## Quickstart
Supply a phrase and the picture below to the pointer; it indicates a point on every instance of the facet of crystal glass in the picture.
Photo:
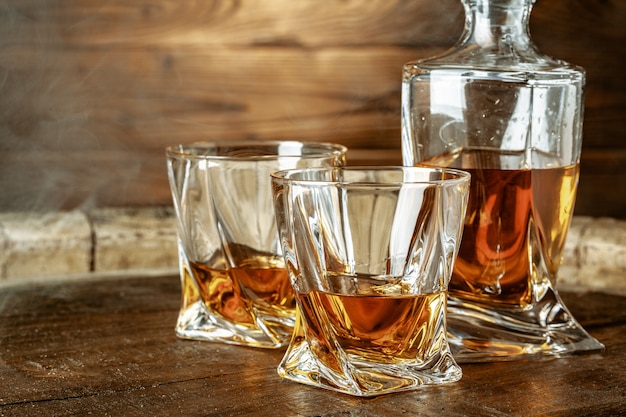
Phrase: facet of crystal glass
(496, 107)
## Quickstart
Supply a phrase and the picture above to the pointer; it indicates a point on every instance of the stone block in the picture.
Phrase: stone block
(134, 238)
(603, 255)
(44, 244)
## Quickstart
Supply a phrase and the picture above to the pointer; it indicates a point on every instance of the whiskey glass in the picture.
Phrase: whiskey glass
(235, 288)
(369, 251)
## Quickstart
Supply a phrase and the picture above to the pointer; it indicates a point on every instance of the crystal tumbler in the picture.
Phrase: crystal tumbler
(235, 288)
(369, 251)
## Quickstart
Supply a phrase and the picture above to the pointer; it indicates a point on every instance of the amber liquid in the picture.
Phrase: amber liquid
(237, 293)
(382, 329)
(515, 228)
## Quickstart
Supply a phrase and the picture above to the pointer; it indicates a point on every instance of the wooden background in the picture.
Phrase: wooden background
(91, 91)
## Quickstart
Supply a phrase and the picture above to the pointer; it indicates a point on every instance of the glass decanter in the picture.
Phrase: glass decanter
(495, 106)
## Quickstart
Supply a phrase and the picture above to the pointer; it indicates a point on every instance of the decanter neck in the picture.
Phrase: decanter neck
(497, 24)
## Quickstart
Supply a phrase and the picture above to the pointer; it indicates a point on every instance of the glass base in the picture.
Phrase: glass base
(196, 322)
(359, 377)
(541, 330)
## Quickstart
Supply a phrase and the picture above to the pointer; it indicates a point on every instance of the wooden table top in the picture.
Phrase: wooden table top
(107, 347)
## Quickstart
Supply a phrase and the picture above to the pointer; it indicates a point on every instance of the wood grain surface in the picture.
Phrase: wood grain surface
(91, 92)
(107, 347)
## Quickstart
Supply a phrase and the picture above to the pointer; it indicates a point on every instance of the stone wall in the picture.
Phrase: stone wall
(77, 244)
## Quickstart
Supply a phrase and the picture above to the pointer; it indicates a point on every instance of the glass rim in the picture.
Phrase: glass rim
(448, 175)
(318, 149)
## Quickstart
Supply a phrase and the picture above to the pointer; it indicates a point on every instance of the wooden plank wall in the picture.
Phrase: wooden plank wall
(91, 91)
